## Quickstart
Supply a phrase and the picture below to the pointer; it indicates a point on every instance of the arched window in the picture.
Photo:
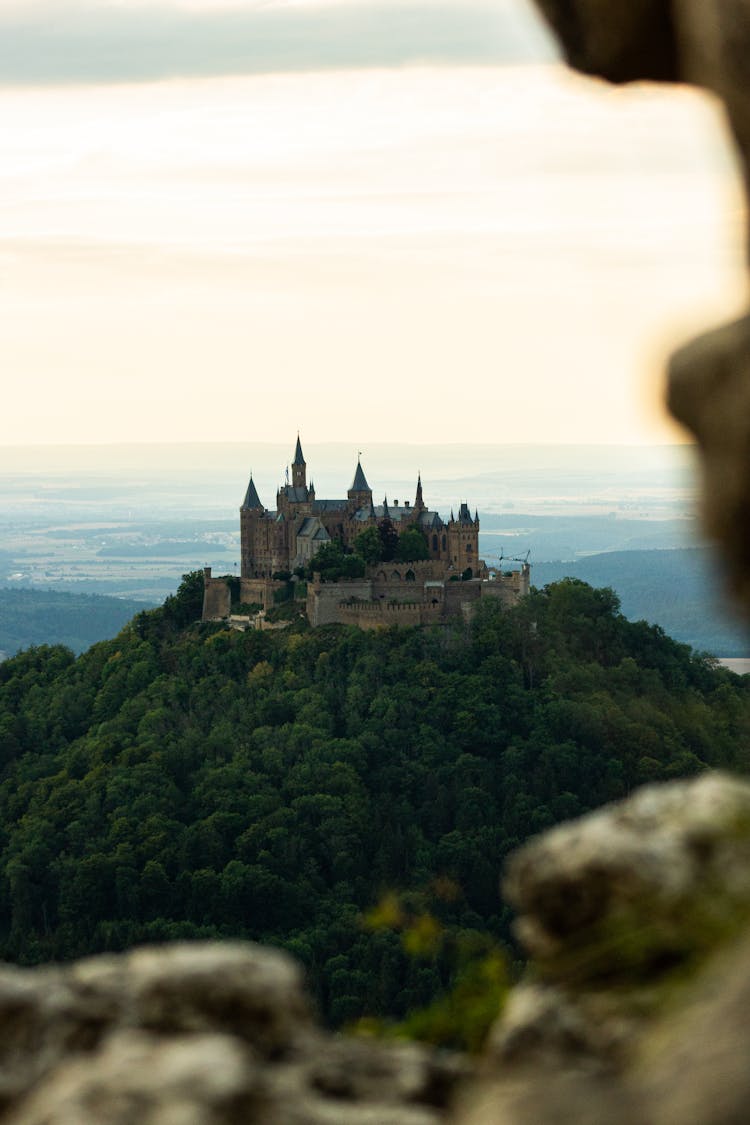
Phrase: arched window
(445, 543)
(434, 542)
(410, 576)
(468, 548)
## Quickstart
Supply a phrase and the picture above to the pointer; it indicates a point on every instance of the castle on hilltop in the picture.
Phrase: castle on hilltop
(277, 546)
(289, 537)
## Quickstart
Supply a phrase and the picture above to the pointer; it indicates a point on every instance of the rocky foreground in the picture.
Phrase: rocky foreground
(636, 1006)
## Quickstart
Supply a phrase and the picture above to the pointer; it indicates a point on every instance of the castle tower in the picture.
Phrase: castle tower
(252, 517)
(360, 493)
(299, 468)
(463, 541)
(252, 500)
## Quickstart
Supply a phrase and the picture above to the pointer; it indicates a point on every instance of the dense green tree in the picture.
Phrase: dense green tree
(333, 563)
(368, 545)
(388, 540)
(193, 781)
(412, 546)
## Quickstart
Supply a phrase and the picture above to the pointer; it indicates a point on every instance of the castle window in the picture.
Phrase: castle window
(411, 576)
(434, 542)
(468, 548)
(445, 543)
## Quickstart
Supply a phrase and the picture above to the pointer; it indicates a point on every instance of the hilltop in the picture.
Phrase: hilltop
(184, 780)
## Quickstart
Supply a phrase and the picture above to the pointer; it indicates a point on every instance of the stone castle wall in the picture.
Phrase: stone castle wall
(217, 594)
(385, 597)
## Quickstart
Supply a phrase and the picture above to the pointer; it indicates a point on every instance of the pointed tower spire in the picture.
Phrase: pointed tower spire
(299, 468)
(360, 494)
(298, 458)
(419, 502)
(386, 513)
(252, 500)
(359, 484)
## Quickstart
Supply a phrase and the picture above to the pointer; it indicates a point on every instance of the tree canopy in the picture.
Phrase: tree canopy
(183, 780)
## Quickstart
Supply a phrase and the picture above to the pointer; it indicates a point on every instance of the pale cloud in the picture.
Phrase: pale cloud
(59, 42)
(401, 251)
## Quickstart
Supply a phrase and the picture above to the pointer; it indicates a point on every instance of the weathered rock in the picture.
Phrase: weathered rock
(700, 41)
(621, 40)
(197, 1035)
(137, 1077)
(637, 886)
(637, 921)
(709, 390)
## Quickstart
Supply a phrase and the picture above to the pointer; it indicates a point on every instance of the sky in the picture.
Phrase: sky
(366, 220)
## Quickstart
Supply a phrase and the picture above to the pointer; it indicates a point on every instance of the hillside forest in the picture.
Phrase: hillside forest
(186, 781)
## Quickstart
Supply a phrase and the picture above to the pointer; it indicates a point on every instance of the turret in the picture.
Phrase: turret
(463, 540)
(252, 500)
(360, 493)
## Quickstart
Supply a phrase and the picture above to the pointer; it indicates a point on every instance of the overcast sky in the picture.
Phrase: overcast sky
(371, 221)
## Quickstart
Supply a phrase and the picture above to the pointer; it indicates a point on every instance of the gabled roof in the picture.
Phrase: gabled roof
(464, 515)
(312, 528)
(252, 500)
(298, 458)
(359, 484)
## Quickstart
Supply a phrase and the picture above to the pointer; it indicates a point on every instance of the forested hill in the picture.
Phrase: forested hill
(681, 590)
(32, 617)
(182, 780)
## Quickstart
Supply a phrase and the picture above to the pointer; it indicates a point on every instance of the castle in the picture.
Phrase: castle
(275, 545)
(283, 540)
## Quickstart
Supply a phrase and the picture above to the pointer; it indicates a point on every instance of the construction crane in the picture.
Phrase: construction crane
(501, 558)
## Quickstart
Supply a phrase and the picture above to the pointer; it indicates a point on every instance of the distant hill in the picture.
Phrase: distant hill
(680, 590)
(38, 617)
